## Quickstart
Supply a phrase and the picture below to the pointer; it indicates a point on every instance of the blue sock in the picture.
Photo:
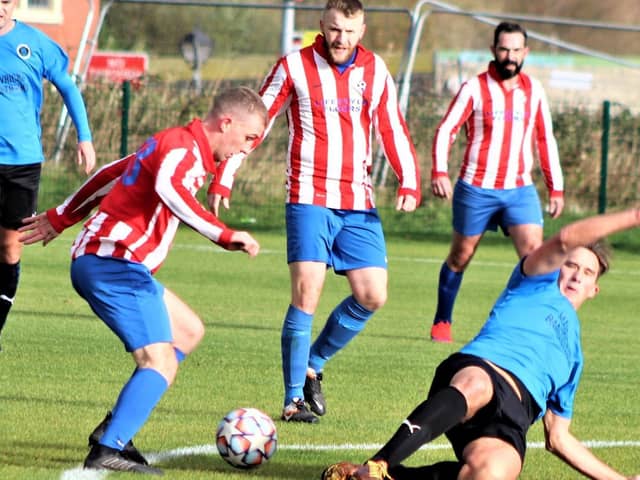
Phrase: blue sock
(180, 355)
(295, 342)
(137, 400)
(344, 323)
(448, 286)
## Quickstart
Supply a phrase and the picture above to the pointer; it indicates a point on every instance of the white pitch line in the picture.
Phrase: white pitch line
(428, 260)
(79, 473)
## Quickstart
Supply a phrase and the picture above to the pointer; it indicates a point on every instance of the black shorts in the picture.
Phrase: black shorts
(18, 193)
(504, 417)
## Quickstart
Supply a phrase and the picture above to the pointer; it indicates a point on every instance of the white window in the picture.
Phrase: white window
(40, 11)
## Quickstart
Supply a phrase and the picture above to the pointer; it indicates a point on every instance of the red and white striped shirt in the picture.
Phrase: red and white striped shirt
(501, 128)
(331, 118)
(143, 197)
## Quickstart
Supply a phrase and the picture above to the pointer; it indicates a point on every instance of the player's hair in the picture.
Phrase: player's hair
(239, 99)
(508, 27)
(348, 7)
(603, 253)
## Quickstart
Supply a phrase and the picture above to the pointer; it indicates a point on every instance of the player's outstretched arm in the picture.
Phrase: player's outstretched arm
(37, 229)
(553, 252)
(560, 442)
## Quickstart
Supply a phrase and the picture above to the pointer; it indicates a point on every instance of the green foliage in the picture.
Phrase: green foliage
(580, 131)
(160, 30)
(61, 368)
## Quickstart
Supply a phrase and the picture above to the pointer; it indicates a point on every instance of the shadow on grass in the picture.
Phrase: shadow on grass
(214, 463)
(61, 456)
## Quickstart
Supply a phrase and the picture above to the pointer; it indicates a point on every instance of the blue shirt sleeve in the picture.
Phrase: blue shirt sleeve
(75, 104)
(55, 70)
(561, 401)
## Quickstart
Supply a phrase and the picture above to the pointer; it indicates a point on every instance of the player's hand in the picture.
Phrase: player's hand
(556, 205)
(36, 229)
(406, 203)
(213, 201)
(441, 187)
(86, 154)
(245, 242)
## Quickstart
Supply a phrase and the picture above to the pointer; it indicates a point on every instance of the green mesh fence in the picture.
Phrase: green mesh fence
(257, 200)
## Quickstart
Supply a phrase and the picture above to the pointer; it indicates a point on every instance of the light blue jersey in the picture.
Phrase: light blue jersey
(27, 56)
(533, 332)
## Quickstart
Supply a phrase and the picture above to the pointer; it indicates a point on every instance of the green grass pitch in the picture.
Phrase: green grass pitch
(61, 368)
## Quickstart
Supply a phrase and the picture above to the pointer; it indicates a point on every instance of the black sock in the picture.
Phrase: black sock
(429, 420)
(437, 471)
(9, 275)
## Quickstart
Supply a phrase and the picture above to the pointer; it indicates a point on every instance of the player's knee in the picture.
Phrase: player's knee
(305, 296)
(372, 300)
(190, 335)
(526, 239)
(193, 340)
(377, 302)
(460, 258)
(196, 332)
(10, 252)
(527, 247)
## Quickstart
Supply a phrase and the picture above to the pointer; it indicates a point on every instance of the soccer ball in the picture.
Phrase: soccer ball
(246, 438)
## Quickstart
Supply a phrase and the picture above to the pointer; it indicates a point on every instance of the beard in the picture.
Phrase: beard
(504, 72)
(340, 57)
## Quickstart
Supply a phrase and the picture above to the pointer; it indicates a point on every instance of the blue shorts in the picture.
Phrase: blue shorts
(343, 239)
(126, 297)
(476, 210)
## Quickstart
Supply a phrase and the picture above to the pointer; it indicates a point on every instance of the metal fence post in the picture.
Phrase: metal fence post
(604, 159)
(288, 22)
(124, 120)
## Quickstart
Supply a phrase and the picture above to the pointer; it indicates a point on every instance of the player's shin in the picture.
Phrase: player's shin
(295, 343)
(448, 286)
(9, 276)
(137, 400)
(344, 323)
(437, 471)
(429, 420)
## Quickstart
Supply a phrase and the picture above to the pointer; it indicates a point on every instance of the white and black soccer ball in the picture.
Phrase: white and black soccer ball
(246, 438)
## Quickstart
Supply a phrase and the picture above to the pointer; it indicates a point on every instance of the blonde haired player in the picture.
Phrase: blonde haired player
(141, 200)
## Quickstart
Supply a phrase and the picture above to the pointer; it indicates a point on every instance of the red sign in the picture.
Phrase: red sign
(117, 66)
